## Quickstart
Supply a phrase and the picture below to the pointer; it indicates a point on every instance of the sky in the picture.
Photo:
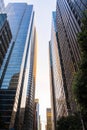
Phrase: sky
(43, 20)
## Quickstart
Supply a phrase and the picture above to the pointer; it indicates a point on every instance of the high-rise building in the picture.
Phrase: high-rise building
(68, 21)
(19, 70)
(36, 115)
(46, 127)
(49, 119)
(1, 6)
(39, 123)
(64, 54)
(58, 102)
(5, 37)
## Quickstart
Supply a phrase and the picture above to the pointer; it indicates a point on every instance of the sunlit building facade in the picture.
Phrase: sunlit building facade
(40, 122)
(49, 119)
(19, 70)
(58, 101)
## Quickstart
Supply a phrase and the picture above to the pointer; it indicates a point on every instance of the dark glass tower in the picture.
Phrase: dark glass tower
(68, 20)
(78, 7)
(18, 71)
(65, 53)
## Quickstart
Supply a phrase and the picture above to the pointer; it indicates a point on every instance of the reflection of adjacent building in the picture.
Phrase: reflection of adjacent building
(64, 55)
(18, 70)
(5, 37)
(49, 119)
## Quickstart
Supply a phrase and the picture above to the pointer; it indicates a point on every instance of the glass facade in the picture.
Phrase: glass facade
(57, 86)
(52, 92)
(18, 65)
(78, 7)
(36, 115)
(5, 37)
(68, 22)
(64, 55)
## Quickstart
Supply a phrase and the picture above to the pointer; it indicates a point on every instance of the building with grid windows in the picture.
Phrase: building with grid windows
(49, 119)
(5, 37)
(58, 102)
(68, 19)
(65, 54)
(36, 115)
(17, 89)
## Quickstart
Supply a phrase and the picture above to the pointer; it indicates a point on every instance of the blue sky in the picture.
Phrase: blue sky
(43, 19)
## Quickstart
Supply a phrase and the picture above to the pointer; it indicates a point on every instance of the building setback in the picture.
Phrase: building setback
(19, 70)
(65, 54)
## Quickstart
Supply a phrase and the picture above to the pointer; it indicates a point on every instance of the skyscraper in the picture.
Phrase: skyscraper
(39, 122)
(58, 101)
(19, 67)
(65, 54)
(49, 119)
(36, 115)
(68, 20)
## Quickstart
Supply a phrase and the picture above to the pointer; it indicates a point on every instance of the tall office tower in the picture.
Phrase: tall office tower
(49, 119)
(64, 55)
(5, 37)
(46, 127)
(39, 123)
(68, 20)
(58, 102)
(36, 115)
(1, 6)
(18, 70)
